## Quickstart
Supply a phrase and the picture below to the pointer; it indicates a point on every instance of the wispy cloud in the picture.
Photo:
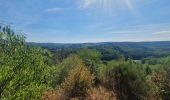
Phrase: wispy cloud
(162, 32)
(155, 29)
(98, 3)
(123, 31)
(115, 6)
(130, 6)
(54, 10)
(108, 4)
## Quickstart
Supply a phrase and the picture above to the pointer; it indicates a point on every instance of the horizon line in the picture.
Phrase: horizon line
(99, 42)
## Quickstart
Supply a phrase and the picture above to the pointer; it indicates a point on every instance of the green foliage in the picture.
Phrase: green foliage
(127, 78)
(60, 71)
(67, 65)
(22, 69)
(61, 54)
(76, 83)
(91, 58)
(161, 78)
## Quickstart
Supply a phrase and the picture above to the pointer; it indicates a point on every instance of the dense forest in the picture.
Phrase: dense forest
(83, 72)
(111, 50)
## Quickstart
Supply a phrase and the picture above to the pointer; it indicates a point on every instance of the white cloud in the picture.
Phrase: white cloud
(88, 3)
(54, 10)
(112, 6)
(108, 4)
(123, 32)
(162, 32)
(154, 29)
(98, 3)
(130, 6)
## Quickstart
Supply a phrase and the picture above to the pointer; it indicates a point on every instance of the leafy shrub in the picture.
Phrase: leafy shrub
(64, 68)
(161, 79)
(127, 79)
(76, 84)
(22, 68)
(91, 59)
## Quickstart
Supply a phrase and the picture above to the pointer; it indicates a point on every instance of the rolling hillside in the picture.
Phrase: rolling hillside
(134, 50)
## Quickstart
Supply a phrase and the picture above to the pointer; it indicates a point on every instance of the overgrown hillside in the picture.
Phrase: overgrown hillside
(33, 73)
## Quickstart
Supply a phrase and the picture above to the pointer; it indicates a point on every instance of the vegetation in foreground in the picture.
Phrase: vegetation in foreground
(28, 72)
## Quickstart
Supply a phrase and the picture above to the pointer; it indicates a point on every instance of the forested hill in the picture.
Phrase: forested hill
(139, 45)
(134, 50)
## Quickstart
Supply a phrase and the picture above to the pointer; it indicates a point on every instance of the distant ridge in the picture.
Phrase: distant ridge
(134, 50)
(80, 45)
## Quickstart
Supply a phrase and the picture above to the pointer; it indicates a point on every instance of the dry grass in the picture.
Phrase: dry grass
(76, 85)
(100, 94)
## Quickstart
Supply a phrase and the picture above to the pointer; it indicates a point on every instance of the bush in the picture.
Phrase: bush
(22, 74)
(91, 58)
(76, 84)
(127, 79)
(161, 79)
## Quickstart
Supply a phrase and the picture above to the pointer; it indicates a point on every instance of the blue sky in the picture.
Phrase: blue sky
(79, 21)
